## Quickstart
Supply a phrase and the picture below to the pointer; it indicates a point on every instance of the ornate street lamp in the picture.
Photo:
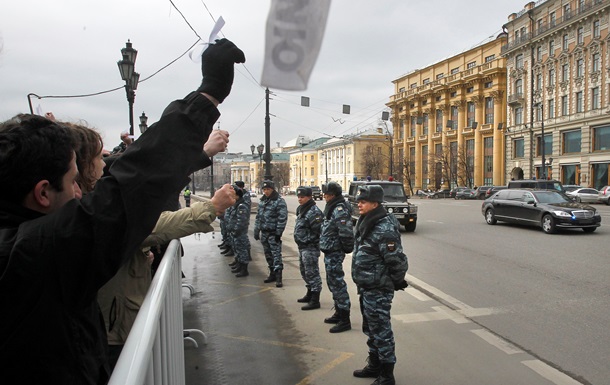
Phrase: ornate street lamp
(143, 121)
(260, 148)
(131, 78)
(252, 148)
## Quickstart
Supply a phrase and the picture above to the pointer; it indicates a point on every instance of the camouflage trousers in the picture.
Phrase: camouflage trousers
(310, 271)
(375, 307)
(223, 231)
(241, 247)
(335, 279)
(273, 251)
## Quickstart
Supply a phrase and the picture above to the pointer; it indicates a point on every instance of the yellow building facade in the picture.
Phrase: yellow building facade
(448, 120)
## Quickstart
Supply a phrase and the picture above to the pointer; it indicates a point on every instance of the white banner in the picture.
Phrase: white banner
(295, 29)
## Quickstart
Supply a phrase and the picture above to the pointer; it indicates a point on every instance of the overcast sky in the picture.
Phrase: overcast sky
(70, 47)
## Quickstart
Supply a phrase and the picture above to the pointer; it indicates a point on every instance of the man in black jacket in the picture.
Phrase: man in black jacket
(57, 251)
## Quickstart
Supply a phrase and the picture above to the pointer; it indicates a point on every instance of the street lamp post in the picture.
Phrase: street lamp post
(385, 115)
(131, 78)
(542, 144)
(143, 121)
(260, 148)
(268, 175)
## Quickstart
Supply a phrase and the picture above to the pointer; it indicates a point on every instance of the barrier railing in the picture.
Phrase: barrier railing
(154, 350)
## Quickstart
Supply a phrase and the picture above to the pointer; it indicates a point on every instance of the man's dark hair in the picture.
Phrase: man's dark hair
(32, 148)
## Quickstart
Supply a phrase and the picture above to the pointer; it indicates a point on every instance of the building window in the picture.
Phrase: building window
(601, 138)
(490, 58)
(595, 62)
(548, 145)
(489, 84)
(470, 108)
(552, 19)
(472, 64)
(539, 82)
(564, 105)
(519, 61)
(569, 174)
(552, 48)
(426, 81)
(539, 53)
(455, 70)
(580, 68)
(413, 126)
(579, 102)
(551, 77)
(488, 160)
(439, 120)
(566, 11)
(519, 87)
(580, 35)
(571, 142)
(413, 85)
(311, 171)
(440, 76)
(565, 73)
(424, 161)
(453, 94)
(551, 108)
(518, 115)
(595, 98)
(538, 114)
(454, 117)
(469, 90)
(518, 148)
(564, 42)
(425, 125)
(489, 110)
(596, 29)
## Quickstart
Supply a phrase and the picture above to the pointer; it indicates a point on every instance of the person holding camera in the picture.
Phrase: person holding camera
(379, 267)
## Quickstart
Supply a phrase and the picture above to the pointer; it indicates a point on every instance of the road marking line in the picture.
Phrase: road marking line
(418, 294)
(438, 293)
(325, 369)
(550, 373)
(439, 314)
(496, 341)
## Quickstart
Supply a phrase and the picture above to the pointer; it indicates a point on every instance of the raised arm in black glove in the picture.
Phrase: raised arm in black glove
(217, 68)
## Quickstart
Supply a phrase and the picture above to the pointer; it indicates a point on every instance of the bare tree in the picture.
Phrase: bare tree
(373, 162)
(446, 166)
(281, 174)
(465, 165)
(407, 173)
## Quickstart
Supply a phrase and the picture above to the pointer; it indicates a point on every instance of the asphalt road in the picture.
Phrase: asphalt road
(487, 305)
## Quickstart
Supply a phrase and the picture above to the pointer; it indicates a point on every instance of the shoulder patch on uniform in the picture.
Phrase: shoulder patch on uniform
(391, 246)
(343, 221)
(339, 208)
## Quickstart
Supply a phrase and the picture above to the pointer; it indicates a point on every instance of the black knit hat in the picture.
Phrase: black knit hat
(370, 193)
(304, 191)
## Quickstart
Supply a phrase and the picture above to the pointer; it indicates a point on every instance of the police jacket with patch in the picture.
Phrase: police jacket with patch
(272, 214)
(337, 230)
(51, 266)
(378, 261)
(308, 225)
(240, 218)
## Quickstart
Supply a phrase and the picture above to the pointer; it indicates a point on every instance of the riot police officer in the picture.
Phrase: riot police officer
(379, 267)
(268, 228)
(337, 239)
(307, 230)
(237, 228)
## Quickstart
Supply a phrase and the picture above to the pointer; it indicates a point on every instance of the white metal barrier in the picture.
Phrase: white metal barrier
(154, 350)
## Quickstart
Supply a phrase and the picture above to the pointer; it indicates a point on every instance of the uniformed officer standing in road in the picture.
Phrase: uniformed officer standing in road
(336, 240)
(307, 230)
(247, 197)
(268, 228)
(238, 230)
(379, 267)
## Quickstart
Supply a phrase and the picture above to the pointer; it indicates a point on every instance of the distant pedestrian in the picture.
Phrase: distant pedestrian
(269, 226)
(187, 197)
(379, 267)
(337, 239)
(307, 230)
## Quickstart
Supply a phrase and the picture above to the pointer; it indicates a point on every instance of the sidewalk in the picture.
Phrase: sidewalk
(257, 333)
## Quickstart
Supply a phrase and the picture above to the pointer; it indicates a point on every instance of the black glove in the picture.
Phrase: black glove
(347, 248)
(217, 68)
(257, 236)
(278, 238)
(400, 285)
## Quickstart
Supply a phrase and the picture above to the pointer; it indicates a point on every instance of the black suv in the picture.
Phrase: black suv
(395, 202)
(316, 192)
(549, 209)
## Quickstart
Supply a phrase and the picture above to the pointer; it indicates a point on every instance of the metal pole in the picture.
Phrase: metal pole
(531, 101)
(542, 140)
(131, 95)
(212, 177)
(268, 175)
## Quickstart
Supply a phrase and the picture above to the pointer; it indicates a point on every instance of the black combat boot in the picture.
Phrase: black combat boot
(229, 253)
(271, 277)
(233, 263)
(372, 368)
(225, 250)
(237, 267)
(243, 272)
(333, 319)
(314, 301)
(278, 279)
(344, 324)
(386, 376)
(307, 296)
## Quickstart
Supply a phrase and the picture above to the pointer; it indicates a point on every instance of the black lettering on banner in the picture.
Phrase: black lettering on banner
(287, 54)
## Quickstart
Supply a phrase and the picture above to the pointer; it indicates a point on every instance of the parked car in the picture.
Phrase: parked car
(316, 192)
(444, 193)
(465, 194)
(604, 195)
(551, 210)
(587, 195)
(570, 187)
(536, 184)
(493, 189)
(455, 190)
(480, 191)
(252, 194)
